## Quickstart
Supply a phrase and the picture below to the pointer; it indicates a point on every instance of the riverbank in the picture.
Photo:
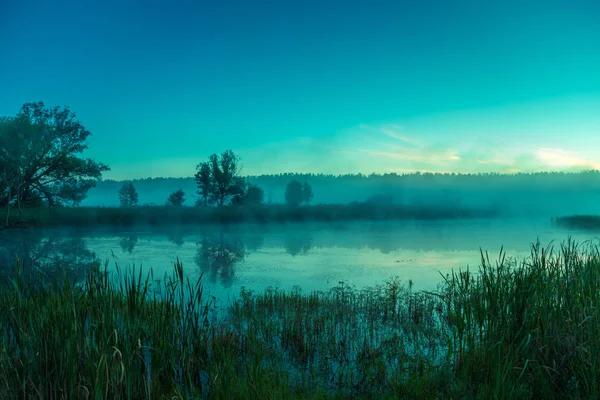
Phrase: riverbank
(583, 222)
(510, 330)
(170, 216)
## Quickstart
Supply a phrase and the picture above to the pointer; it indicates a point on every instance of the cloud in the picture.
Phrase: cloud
(423, 157)
(394, 131)
(369, 148)
(562, 159)
(384, 131)
(387, 147)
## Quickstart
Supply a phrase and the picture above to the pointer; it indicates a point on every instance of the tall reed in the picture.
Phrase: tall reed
(513, 329)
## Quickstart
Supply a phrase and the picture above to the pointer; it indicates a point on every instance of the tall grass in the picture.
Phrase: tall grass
(117, 338)
(514, 329)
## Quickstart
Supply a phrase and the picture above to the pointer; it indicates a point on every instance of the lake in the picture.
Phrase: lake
(311, 256)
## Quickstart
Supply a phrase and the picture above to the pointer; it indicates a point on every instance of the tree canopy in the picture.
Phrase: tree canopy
(128, 196)
(252, 195)
(293, 193)
(307, 193)
(219, 179)
(40, 158)
(176, 198)
(204, 182)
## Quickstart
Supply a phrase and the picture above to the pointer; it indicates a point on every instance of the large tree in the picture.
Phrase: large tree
(40, 152)
(225, 171)
(219, 179)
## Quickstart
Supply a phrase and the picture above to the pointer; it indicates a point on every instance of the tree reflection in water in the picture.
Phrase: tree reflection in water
(42, 256)
(128, 243)
(177, 238)
(297, 242)
(218, 254)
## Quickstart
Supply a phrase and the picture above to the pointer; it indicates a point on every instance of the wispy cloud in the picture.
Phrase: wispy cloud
(388, 147)
(426, 158)
(562, 159)
(383, 148)
(395, 131)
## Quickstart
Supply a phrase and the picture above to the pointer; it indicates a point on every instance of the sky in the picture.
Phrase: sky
(311, 86)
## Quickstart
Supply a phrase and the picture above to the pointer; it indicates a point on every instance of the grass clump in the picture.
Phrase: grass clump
(120, 339)
(513, 329)
(169, 216)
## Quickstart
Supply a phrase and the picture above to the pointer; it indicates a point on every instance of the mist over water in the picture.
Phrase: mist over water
(311, 256)
(542, 194)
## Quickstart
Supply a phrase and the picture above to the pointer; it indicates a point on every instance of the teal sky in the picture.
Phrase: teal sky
(314, 86)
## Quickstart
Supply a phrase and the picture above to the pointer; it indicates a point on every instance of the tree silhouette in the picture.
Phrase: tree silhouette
(128, 196)
(39, 157)
(293, 193)
(204, 182)
(225, 172)
(307, 193)
(252, 196)
(219, 179)
(176, 198)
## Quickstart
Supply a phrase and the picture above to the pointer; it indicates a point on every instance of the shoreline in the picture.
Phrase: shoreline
(169, 216)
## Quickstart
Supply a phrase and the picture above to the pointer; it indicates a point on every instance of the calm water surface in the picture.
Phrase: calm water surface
(311, 256)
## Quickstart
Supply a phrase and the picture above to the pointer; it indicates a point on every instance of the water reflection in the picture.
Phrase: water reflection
(254, 241)
(297, 242)
(128, 243)
(41, 256)
(177, 238)
(218, 254)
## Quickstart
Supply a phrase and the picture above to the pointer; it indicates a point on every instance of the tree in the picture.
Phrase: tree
(204, 181)
(307, 193)
(253, 195)
(293, 193)
(39, 157)
(128, 196)
(176, 198)
(219, 179)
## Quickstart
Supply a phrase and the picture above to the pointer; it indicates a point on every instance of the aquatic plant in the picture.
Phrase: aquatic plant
(512, 329)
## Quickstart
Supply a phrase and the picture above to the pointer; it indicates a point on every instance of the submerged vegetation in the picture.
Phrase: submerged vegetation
(171, 216)
(514, 329)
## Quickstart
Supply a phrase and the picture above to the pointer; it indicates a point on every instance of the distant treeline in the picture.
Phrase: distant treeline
(543, 192)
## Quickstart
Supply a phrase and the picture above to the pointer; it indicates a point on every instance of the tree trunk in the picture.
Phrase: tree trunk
(20, 209)
(8, 208)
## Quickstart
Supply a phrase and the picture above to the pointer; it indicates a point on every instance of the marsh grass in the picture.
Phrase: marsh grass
(169, 216)
(513, 329)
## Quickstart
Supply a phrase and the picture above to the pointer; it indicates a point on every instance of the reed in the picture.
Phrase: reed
(512, 329)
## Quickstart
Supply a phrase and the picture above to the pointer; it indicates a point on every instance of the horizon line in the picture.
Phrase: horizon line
(541, 172)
